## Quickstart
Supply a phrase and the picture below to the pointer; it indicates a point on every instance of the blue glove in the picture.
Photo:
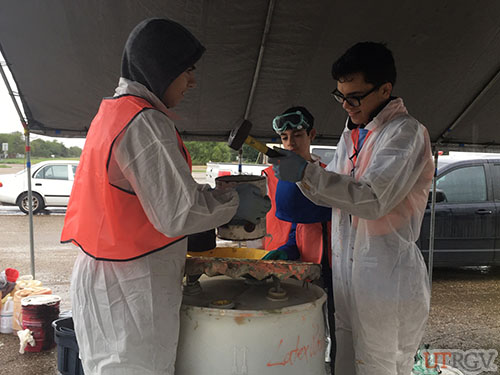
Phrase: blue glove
(289, 167)
(276, 255)
(285, 252)
(252, 205)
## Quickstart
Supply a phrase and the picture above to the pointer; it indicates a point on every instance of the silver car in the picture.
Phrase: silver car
(51, 184)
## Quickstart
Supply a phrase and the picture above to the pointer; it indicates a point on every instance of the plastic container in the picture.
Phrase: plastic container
(12, 274)
(68, 361)
(38, 314)
(6, 316)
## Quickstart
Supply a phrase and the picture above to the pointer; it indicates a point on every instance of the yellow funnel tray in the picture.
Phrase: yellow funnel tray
(230, 252)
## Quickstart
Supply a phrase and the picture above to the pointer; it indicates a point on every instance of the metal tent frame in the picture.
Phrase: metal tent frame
(28, 165)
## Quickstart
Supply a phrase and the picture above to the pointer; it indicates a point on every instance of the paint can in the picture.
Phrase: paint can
(17, 319)
(39, 311)
(242, 230)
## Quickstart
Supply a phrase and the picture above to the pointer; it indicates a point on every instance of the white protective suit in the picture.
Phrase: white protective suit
(130, 310)
(380, 281)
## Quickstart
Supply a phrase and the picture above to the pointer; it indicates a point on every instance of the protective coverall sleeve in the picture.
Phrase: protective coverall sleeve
(398, 159)
(150, 159)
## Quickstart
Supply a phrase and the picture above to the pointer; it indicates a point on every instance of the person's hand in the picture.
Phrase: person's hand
(252, 205)
(289, 167)
(276, 255)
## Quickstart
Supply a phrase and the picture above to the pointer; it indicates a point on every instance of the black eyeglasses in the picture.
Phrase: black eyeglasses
(354, 101)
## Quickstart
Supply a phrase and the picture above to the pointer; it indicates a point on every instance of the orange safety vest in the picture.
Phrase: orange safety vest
(309, 237)
(105, 221)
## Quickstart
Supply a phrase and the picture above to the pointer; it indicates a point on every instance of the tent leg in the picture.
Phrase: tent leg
(30, 201)
(433, 218)
(28, 164)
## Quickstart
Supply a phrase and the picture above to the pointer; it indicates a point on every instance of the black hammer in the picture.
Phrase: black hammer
(240, 135)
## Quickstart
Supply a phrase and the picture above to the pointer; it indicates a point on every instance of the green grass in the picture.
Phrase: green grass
(33, 160)
(5, 162)
(199, 168)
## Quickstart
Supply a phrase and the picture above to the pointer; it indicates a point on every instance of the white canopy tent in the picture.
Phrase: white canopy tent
(262, 57)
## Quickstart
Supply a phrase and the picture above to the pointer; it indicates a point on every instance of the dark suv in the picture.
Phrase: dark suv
(467, 230)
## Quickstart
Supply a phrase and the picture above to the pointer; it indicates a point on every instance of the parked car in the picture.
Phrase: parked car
(467, 226)
(51, 185)
(325, 153)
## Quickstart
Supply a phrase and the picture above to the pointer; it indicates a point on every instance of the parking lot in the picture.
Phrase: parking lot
(465, 311)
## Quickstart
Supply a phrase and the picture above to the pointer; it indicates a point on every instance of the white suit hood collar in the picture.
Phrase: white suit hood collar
(128, 87)
(393, 109)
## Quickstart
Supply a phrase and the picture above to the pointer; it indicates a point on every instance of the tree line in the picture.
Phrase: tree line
(39, 147)
(201, 152)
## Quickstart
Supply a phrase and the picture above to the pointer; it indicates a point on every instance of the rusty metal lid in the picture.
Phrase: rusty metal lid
(242, 262)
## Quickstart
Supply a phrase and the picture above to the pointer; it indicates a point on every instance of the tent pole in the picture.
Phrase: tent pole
(28, 165)
(30, 200)
(256, 74)
(433, 218)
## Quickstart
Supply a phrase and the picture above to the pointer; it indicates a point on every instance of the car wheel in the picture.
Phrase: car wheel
(37, 202)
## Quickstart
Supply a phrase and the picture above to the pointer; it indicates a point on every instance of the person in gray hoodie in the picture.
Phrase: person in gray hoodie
(134, 202)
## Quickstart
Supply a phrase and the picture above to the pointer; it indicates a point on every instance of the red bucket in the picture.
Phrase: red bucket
(11, 274)
(39, 311)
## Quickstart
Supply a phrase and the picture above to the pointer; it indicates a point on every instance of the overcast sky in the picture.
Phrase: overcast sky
(9, 120)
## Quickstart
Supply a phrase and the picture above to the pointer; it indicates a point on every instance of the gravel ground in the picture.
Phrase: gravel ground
(53, 264)
(465, 308)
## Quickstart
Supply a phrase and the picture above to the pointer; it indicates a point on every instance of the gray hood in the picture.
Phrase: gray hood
(157, 51)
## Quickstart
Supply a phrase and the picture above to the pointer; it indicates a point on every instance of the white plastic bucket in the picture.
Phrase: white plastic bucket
(257, 336)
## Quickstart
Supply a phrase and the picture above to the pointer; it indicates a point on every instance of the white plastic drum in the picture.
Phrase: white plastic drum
(253, 334)
(236, 231)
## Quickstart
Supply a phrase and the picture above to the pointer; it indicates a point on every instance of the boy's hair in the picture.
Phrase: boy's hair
(307, 115)
(373, 60)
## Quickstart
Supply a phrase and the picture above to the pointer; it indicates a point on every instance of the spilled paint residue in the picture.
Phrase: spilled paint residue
(239, 320)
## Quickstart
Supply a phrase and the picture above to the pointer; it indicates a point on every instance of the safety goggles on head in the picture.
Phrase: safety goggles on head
(293, 120)
(353, 100)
